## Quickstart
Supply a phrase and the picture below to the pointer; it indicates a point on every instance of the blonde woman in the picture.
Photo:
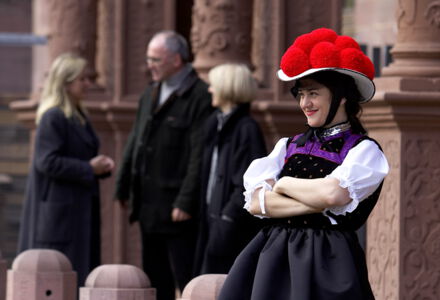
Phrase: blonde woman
(61, 210)
(232, 140)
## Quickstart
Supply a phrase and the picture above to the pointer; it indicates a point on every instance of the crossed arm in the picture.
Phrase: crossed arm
(294, 196)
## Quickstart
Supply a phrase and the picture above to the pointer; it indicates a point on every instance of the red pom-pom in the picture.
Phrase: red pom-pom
(324, 35)
(352, 59)
(305, 42)
(343, 42)
(294, 62)
(368, 69)
(356, 60)
(323, 48)
(324, 55)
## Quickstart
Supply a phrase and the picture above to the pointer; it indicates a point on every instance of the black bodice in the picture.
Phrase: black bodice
(317, 159)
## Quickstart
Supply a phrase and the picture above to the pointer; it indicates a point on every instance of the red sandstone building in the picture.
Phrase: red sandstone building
(402, 235)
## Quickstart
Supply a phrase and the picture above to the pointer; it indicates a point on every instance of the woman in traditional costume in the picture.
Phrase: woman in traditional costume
(318, 187)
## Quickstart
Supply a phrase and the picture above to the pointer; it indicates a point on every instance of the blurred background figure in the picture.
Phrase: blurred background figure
(62, 209)
(159, 172)
(232, 139)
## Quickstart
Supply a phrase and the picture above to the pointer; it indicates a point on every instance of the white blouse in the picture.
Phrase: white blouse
(361, 172)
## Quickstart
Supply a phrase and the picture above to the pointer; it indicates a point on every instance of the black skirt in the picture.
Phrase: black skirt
(284, 262)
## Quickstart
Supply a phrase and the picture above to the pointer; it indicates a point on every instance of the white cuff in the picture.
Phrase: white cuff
(248, 197)
(265, 187)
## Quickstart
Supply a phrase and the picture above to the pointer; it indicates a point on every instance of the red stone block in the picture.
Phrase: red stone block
(41, 274)
(117, 282)
(204, 287)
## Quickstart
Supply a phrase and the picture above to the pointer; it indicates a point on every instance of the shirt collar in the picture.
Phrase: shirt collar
(175, 80)
(334, 130)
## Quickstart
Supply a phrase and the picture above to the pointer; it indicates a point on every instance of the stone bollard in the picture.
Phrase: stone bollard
(204, 287)
(117, 282)
(3, 267)
(38, 274)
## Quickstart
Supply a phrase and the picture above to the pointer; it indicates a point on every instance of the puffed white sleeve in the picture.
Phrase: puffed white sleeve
(362, 171)
(260, 171)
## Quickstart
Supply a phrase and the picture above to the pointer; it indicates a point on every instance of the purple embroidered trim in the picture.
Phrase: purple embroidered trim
(314, 147)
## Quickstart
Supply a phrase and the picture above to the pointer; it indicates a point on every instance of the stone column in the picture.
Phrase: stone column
(417, 49)
(73, 29)
(221, 32)
(403, 234)
(69, 26)
(124, 29)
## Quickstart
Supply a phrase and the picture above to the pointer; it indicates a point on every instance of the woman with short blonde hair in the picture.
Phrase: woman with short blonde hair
(232, 140)
(233, 82)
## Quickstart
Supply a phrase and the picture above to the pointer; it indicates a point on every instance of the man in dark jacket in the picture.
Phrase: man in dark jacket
(159, 171)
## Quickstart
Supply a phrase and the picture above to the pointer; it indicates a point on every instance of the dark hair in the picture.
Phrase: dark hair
(340, 86)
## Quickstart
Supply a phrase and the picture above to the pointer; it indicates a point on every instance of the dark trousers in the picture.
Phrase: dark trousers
(168, 261)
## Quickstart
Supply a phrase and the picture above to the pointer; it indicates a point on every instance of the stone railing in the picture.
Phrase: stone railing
(47, 274)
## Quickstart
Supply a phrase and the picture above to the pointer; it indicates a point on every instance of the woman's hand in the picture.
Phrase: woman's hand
(102, 164)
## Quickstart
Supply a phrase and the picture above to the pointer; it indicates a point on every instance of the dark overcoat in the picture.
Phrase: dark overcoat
(161, 161)
(61, 209)
(226, 226)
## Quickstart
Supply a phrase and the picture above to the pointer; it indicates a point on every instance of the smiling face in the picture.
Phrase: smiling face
(315, 100)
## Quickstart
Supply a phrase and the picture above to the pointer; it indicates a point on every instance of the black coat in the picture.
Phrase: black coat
(226, 226)
(61, 210)
(161, 161)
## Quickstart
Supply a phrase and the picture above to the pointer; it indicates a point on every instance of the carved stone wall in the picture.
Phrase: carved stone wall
(420, 223)
(383, 227)
(403, 242)
(221, 32)
(402, 234)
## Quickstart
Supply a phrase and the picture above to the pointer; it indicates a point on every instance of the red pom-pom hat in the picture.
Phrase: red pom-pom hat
(324, 50)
